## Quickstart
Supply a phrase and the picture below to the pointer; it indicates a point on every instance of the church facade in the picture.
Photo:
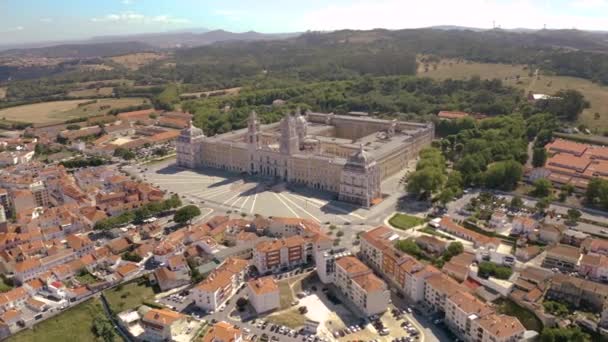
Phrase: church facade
(343, 154)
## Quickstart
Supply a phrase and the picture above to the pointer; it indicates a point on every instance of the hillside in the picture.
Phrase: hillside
(80, 50)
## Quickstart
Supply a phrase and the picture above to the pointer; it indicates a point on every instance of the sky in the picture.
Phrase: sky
(24, 21)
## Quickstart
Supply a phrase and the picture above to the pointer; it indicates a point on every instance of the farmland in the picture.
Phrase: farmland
(136, 60)
(59, 111)
(104, 91)
(596, 94)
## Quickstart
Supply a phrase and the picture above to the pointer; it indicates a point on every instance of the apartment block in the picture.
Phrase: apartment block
(272, 256)
(264, 294)
(358, 283)
(220, 285)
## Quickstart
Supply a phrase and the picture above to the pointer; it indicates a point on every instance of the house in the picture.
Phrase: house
(223, 332)
(597, 246)
(526, 253)
(523, 225)
(264, 294)
(550, 233)
(562, 257)
(175, 274)
(498, 220)
(431, 244)
(162, 324)
(594, 266)
(573, 237)
(127, 270)
(220, 285)
(448, 225)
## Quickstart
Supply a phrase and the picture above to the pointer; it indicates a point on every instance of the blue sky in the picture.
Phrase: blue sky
(44, 20)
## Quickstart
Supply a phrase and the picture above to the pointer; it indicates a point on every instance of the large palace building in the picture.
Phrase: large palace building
(348, 155)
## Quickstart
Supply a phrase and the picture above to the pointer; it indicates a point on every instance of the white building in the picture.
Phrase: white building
(358, 283)
(264, 294)
(220, 285)
(162, 325)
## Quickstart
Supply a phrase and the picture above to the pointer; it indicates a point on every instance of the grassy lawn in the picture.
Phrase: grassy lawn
(87, 278)
(403, 221)
(596, 94)
(129, 296)
(433, 231)
(525, 316)
(289, 318)
(59, 111)
(286, 294)
(74, 324)
(4, 287)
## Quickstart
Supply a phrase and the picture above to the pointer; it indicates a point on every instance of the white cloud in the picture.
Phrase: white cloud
(589, 4)
(127, 2)
(13, 29)
(131, 17)
(397, 14)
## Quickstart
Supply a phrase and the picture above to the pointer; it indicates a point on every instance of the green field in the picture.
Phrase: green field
(596, 94)
(525, 316)
(130, 295)
(403, 221)
(60, 111)
(74, 324)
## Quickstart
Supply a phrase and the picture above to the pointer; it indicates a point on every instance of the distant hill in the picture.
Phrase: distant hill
(80, 50)
(184, 39)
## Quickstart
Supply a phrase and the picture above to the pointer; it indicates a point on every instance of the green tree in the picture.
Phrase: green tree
(597, 193)
(542, 205)
(409, 246)
(516, 202)
(503, 175)
(426, 181)
(186, 214)
(454, 248)
(542, 187)
(539, 157)
(564, 335)
(573, 215)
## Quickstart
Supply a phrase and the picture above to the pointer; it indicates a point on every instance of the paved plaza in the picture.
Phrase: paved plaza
(221, 191)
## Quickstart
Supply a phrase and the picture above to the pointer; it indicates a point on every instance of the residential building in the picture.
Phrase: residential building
(594, 266)
(497, 328)
(460, 309)
(220, 285)
(431, 244)
(358, 283)
(264, 294)
(285, 253)
(562, 257)
(523, 225)
(448, 225)
(578, 292)
(223, 332)
(162, 324)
